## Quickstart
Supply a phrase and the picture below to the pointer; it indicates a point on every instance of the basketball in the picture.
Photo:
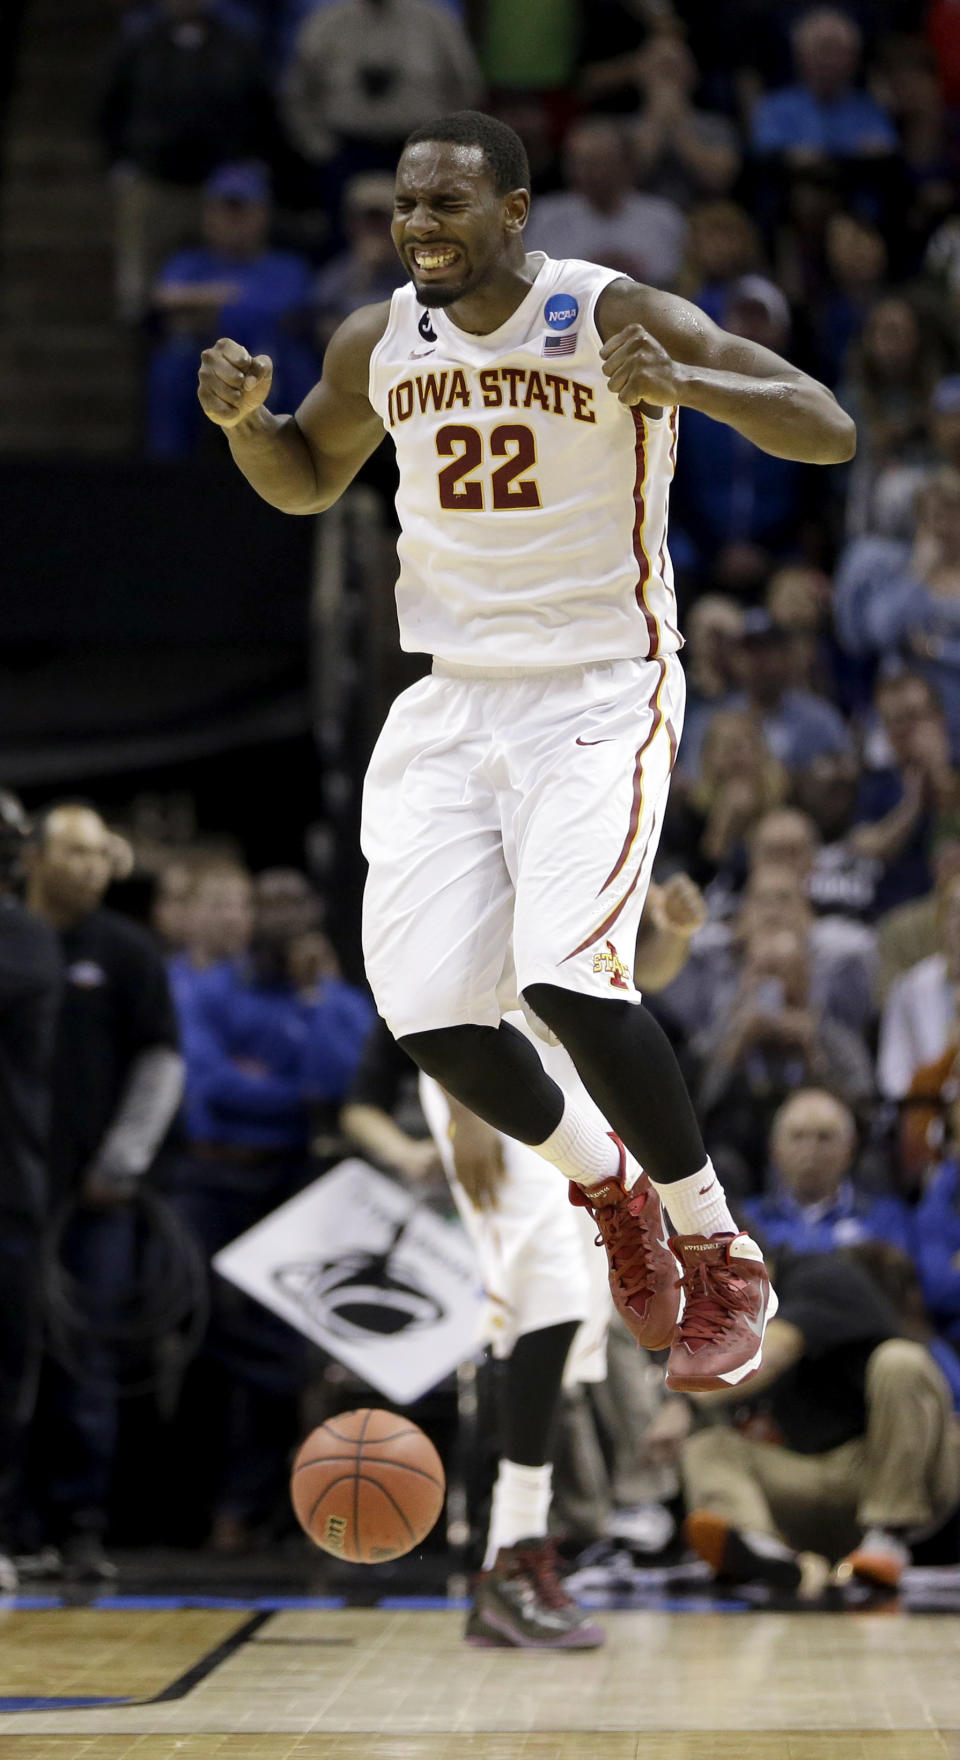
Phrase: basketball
(367, 1486)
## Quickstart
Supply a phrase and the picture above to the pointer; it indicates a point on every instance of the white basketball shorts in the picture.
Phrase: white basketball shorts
(510, 825)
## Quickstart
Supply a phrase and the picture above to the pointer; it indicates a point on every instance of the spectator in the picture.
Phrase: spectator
(738, 780)
(723, 245)
(811, 1203)
(369, 270)
(775, 1038)
(776, 895)
(117, 1081)
(184, 95)
(938, 1239)
(739, 507)
(218, 923)
(928, 136)
(894, 598)
(169, 908)
(363, 73)
(682, 153)
(824, 115)
(889, 378)
(919, 1020)
(798, 726)
(842, 880)
(713, 630)
(798, 600)
(601, 216)
(233, 284)
(271, 1046)
(29, 994)
(909, 933)
(864, 1450)
(856, 263)
(902, 797)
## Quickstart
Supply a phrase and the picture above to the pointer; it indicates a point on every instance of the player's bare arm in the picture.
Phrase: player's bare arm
(298, 463)
(662, 350)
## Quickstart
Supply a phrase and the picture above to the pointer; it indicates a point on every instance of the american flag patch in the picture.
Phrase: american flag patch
(560, 344)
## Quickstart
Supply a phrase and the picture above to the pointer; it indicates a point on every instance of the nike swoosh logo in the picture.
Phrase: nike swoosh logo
(705, 1189)
(595, 742)
(417, 354)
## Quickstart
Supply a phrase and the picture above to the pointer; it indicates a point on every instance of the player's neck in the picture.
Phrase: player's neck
(491, 305)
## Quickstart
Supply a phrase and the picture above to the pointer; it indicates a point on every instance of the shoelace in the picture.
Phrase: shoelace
(540, 1563)
(633, 1257)
(714, 1294)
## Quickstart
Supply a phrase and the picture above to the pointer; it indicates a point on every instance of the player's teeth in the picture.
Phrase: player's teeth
(434, 261)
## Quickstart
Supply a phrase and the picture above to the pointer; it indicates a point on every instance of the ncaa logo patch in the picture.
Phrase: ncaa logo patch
(561, 310)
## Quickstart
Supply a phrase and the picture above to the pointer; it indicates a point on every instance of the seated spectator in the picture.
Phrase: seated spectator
(889, 511)
(811, 1203)
(824, 115)
(369, 270)
(928, 135)
(776, 895)
(184, 95)
(169, 909)
(919, 1021)
(854, 1452)
(682, 152)
(898, 598)
(363, 74)
(798, 601)
(902, 797)
(937, 1224)
(217, 925)
(842, 881)
(738, 507)
(798, 725)
(601, 216)
(737, 781)
(232, 284)
(774, 1038)
(271, 1046)
(886, 386)
(713, 629)
(856, 261)
(909, 933)
(723, 245)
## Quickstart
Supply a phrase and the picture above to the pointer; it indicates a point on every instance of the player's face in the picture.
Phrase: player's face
(450, 226)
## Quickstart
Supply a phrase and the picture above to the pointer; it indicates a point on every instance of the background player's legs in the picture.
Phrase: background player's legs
(529, 1396)
(628, 1065)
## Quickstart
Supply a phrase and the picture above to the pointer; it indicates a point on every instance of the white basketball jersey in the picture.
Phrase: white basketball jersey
(532, 503)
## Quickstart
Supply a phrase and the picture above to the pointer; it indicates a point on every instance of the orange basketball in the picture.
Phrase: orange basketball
(367, 1486)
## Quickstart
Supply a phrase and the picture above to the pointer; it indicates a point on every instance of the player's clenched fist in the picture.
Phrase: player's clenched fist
(233, 383)
(638, 368)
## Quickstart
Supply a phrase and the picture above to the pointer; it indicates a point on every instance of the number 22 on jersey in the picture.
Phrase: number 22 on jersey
(509, 486)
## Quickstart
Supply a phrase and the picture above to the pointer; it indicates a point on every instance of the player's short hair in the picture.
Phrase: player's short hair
(500, 145)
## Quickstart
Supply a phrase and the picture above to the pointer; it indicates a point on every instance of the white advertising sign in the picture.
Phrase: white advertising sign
(381, 1283)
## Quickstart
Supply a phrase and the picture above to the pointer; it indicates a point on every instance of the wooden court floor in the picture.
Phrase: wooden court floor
(310, 1683)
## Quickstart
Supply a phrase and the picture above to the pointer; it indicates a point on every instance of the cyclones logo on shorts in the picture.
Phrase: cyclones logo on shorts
(611, 962)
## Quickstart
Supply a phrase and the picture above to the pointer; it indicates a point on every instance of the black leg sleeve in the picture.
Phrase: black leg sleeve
(494, 1071)
(626, 1062)
(530, 1393)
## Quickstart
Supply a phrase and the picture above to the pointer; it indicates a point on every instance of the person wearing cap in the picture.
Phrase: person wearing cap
(232, 280)
(184, 94)
(739, 508)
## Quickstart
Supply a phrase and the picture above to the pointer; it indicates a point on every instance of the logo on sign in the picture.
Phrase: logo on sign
(362, 1295)
(561, 310)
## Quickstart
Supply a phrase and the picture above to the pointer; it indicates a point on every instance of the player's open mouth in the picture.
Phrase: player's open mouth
(436, 258)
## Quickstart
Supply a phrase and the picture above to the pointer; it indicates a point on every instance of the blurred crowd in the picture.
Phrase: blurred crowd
(796, 172)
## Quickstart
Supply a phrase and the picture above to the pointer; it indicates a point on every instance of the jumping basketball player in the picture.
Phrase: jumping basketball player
(514, 800)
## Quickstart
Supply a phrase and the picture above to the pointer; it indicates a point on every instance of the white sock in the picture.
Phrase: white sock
(521, 1504)
(582, 1147)
(696, 1205)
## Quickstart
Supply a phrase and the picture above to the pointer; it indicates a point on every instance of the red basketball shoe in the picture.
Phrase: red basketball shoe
(729, 1300)
(643, 1271)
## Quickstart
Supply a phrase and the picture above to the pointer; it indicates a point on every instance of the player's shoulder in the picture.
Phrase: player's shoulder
(354, 341)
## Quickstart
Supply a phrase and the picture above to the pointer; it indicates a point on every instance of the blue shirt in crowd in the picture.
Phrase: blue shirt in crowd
(260, 1057)
(938, 1248)
(824, 1228)
(881, 610)
(847, 125)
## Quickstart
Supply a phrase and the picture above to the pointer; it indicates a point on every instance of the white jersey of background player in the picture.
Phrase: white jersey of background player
(515, 797)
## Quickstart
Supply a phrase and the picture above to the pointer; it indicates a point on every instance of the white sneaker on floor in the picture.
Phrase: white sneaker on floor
(646, 1527)
(879, 1561)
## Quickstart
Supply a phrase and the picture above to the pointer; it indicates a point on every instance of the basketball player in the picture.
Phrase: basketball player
(514, 800)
